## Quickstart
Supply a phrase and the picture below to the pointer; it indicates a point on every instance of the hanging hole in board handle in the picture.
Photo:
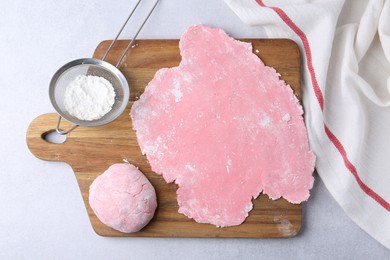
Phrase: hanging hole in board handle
(62, 132)
(53, 137)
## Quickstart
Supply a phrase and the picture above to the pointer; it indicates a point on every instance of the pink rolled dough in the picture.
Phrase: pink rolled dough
(225, 128)
(123, 198)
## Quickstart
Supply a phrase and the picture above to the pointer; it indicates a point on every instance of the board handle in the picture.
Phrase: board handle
(38, 145)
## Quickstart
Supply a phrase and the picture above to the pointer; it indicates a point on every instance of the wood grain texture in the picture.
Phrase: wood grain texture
(90, 151)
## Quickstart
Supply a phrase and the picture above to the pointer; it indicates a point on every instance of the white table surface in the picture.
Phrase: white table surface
(42, 215)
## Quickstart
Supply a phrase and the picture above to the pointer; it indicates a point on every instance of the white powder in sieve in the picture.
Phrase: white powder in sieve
(89, 97)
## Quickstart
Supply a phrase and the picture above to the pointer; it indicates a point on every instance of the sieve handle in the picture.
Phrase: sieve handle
(135, 36)
(62, 132)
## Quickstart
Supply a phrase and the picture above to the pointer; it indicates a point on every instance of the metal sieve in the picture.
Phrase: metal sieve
(93, 67)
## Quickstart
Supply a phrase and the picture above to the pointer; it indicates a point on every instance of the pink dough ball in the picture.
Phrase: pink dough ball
(123, 198)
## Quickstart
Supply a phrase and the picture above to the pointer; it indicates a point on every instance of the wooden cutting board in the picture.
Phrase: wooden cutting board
(90, 151)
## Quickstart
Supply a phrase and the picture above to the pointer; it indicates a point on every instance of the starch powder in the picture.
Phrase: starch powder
(89, 97)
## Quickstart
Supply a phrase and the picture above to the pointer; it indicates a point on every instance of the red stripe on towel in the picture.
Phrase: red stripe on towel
(353, 170)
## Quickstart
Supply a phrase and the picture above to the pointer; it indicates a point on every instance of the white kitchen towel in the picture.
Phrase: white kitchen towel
(345, 48)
